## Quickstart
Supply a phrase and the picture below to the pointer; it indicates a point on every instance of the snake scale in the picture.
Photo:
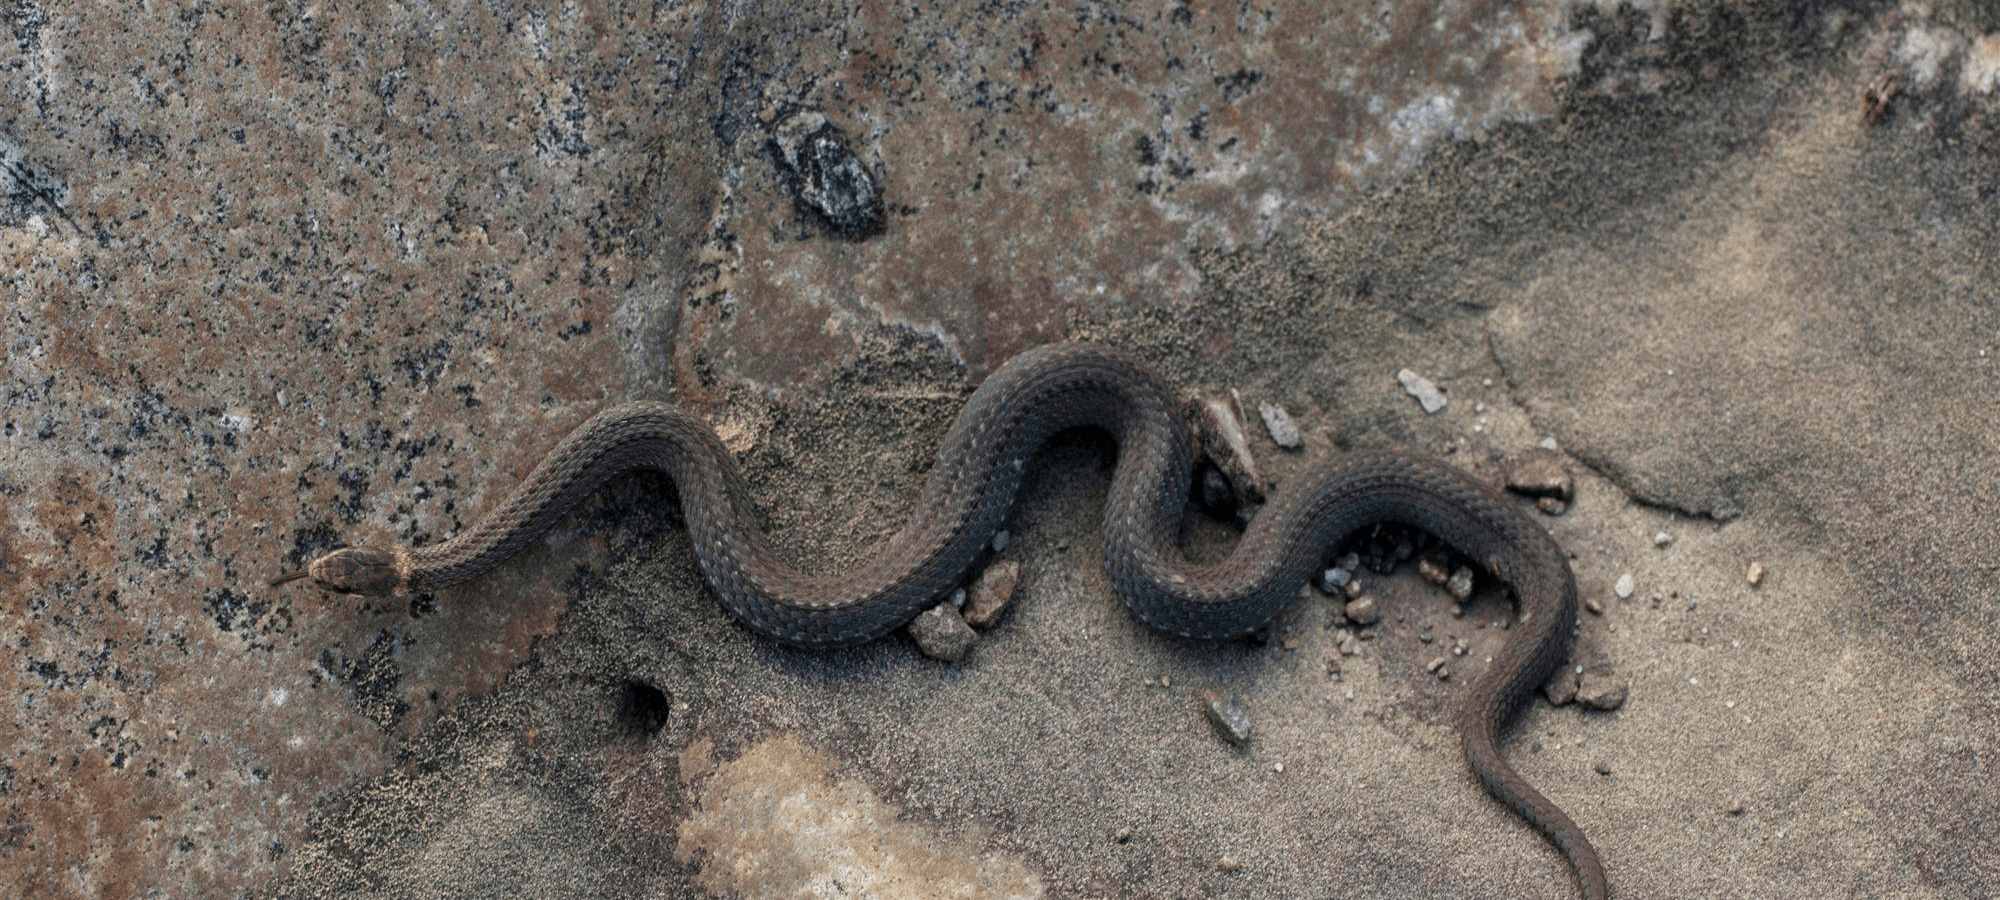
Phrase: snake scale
(970, 491)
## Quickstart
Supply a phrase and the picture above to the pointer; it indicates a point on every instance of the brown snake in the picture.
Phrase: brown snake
(969, 493)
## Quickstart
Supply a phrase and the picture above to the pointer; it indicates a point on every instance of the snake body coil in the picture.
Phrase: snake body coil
(969, 493)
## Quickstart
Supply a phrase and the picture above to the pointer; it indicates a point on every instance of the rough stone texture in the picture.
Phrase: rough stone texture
(991, 592)
(942, 633)
(1540, 472)
(285, 276)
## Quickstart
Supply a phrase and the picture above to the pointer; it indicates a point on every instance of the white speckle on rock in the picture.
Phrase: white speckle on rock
(1423, 389)
(1624, 587)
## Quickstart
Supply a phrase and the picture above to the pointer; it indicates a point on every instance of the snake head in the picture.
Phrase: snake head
(370, 571)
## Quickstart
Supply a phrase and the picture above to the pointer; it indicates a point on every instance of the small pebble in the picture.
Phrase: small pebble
(1122, 836)
(1363, 610)
(1737, 808)
(1603, 691)
(1293, 643)
(942, 633)
(1562, 688)
(1352, 589)
(1283, 432)
(1603, 768)
(999, 541)
(1662, 539)
(1333, 667)
(1424, 637)
(1351, 562)
(1349, 646)
(1596, 608)
(1434, 665)
(1229, 863)
(1229, 718)
(1460, 585)
(1624, 586)
(1756, 574)
(992, 592)
(1551, 506)
(958, 598)
(1278, 767)
(1423, 389)
(1548, 443)
(1539, 472)
(1433, 571)
(1166, 681)
(1332, 580)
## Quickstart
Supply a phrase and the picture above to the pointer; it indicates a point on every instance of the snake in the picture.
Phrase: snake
(969, 493)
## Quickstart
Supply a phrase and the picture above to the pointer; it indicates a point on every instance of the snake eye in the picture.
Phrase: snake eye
(369, 571)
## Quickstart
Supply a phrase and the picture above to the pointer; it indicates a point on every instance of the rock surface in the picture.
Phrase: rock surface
(281, 276)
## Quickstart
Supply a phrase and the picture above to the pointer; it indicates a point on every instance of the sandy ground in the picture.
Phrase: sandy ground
(283, 278)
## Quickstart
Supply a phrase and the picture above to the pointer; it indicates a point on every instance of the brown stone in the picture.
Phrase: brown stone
(992, 592)
(1540, 472)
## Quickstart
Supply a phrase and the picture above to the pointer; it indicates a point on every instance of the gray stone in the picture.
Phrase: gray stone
(942, 633)
(1228, 717)
(1279, 423)
(1460, 585)
(1427, 393)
